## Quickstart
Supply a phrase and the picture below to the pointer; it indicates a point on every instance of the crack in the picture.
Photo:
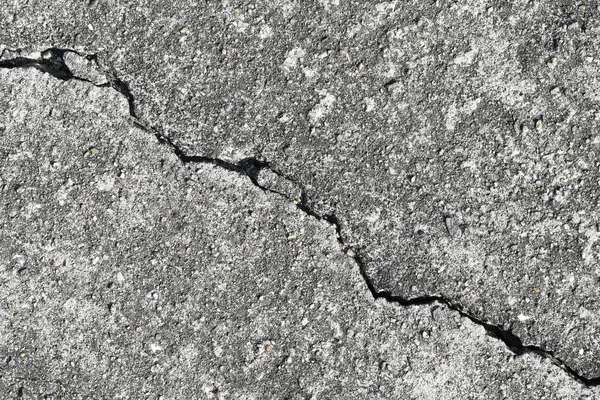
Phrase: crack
(52, 62)
(510, 340)
(251, 167)
(123, 88)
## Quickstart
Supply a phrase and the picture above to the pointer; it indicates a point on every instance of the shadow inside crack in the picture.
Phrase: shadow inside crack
(51, 63)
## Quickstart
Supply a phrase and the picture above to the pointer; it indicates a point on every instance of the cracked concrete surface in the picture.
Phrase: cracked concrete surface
(130, 274)
(452, 146)
(454, 142)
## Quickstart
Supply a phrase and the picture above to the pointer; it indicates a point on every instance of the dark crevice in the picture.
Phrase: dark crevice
(53, 64)
(123, 88)
(251, 167)
(512, 341)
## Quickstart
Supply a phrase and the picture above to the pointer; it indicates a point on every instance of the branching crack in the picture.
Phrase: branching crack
(52, 62)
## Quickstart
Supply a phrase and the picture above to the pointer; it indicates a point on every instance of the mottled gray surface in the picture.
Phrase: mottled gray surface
(454, 142)
(128, 274)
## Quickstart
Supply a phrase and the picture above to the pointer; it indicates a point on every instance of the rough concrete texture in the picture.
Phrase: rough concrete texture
(453, 145)
(129, 274)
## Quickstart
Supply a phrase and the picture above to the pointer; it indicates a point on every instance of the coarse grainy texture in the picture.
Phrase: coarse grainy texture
(453, 144)
(129, 274)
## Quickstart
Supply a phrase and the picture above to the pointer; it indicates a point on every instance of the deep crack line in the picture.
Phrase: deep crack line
(53, 64)
(249, 167)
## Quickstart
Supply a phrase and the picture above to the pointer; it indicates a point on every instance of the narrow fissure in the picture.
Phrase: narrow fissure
(251, 167)
(54, 65)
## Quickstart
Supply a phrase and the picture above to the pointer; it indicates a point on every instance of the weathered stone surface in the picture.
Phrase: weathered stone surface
(392, 116)
(126, 273)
